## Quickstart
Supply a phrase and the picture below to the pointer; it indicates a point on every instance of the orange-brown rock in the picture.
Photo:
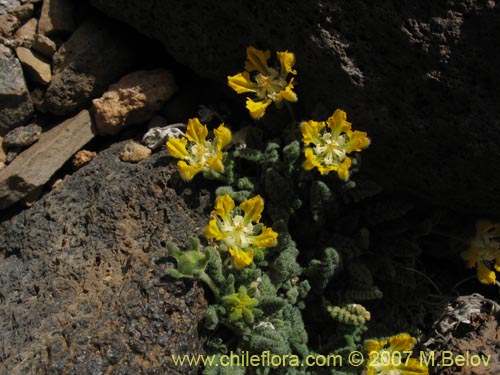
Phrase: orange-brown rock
(132, 100)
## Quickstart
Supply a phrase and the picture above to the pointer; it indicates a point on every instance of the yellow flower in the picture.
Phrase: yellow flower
(240, 232)
(484, 252)
(198, 154)
(332, 140)
(390, 357)
(268, 84)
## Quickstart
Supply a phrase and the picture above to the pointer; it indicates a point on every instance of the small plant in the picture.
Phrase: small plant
(261, 290)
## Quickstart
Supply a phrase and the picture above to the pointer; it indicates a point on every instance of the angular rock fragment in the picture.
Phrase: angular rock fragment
(8, 25)
(97, 53)
(57, 17)
(83, 157)
(16, 106)
(23, 12)
(25, 35)
(133, 100)
(37, 68)
(22, 136)
(34, 167)
(44, 45)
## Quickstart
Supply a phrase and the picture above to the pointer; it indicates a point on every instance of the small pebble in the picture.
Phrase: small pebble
(83, 157)
(22, 136)
(134, 152)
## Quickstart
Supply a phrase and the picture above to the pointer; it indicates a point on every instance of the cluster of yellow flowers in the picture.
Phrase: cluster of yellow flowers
(328, 143)
(484, 252)
(237, 228)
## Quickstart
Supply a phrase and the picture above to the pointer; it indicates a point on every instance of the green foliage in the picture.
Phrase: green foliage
(340, 241)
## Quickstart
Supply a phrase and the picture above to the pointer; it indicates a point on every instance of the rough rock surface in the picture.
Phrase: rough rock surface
(134, 152)
(22, 136)
(97, 53)
(57, 17)
(469, 326)
(82, 275)
(82, 158)
(16, 106)
(420, 77)
(3, 155)
(25, 35)
(35, 166)
(132, 100)
(6, 5)
(8, 24)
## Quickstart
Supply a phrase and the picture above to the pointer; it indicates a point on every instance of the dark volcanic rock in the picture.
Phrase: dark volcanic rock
(98, 53)
(82, 275)
(16, 106)
(22, 136)
(420, 77)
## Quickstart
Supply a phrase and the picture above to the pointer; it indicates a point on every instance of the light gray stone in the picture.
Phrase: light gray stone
(36, 165)
(16, 106)
(22, 136)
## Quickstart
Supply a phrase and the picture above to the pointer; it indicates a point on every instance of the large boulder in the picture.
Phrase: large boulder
(82, 274)
(420, 77)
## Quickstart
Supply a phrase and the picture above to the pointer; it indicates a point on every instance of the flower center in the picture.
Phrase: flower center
(331, 150)
(237, 232)
(201, 153)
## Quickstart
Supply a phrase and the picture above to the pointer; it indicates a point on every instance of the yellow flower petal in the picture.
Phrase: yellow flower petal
(187, 171)
(257, 109)
(253, 209)
(310, 131)
(257, 60)
(241, 258)
(287, 60)
(374, 345)
(485, 275)
(343, 169)
(222, 136)
(241, 83)
(212, 231)
(216, 163)
(401, 342)
(338, 123)
(358, 141)
(310, 161)
(287, 94)
(177, 147)
(267, 238)
(196, 131)
(223, 207)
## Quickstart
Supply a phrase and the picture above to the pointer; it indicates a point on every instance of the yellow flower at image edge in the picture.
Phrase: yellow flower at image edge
(268, 84)
(484, 252)
(198, 154)
(387, 357)
(329, 142)
(237, 228)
